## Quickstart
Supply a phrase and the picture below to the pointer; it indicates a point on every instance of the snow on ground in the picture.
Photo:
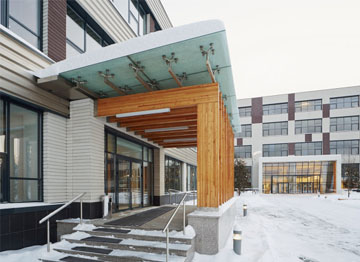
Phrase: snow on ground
(286, 228)
(278, 228)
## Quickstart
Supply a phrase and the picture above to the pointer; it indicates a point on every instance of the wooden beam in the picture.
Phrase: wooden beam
(179, 144)
(167, 125)
(161, 140)
(171, 98)
(191, 129)
(172, 136)
(172, 119)
(114, 87)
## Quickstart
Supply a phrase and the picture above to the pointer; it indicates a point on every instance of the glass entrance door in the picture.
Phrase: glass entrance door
(123, 185)
(136, 192)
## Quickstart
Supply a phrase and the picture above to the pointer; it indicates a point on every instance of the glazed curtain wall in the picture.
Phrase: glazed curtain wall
(20, 153)
(299, 177)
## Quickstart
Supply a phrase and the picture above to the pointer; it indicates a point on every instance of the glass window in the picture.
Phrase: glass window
(191, 178)
(275, 129)
(24, 20)
(344, 102)
(123, 7)
(75, 26)
(173, 174)
(349, 123)
(24, 154)
(243, 151)
(245, 131)
(80, 36)
(93, 40)
(127, 148)
(2, 127)
(345, 147)
(111, 143)
(275, 109)
(275, 150)
(309, 105)
(311, 148)
(308, 126)
(245, 111)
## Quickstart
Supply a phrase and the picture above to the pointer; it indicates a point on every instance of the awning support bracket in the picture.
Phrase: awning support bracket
(169, 61)
(207, 53)
(138, 68)
(107, 75)
(79, 85)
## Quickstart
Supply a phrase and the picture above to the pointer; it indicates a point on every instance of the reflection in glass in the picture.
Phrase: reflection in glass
(123, 196)
(136, 184)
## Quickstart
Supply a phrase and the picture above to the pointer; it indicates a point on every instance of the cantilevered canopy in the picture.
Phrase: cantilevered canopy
(189, 55)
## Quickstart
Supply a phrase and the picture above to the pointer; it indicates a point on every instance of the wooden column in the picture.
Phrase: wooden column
(208, 153)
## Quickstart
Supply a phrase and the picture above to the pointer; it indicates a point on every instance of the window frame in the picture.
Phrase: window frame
(7, 101)
(273, 107)
(246, 131)
(342, 150)
(86, 24)
(335, 127)
(246, 153)
(304, 129)
(305, 146)
(336, 104)
(5, 21)
(246, 109)
(267, 153)
(168, 158)
(267, 130)
(309, 108)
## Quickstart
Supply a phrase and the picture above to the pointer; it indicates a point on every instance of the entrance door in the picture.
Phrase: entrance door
(136, 192)
(2, 176)
(123, 189)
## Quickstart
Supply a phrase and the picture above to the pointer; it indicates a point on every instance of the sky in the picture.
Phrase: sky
(283, 46)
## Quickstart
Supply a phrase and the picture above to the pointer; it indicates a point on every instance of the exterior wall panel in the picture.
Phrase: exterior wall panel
(56, 29)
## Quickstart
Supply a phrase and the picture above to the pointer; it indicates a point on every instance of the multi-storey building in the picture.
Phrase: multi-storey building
(59, 63)
(302, 142)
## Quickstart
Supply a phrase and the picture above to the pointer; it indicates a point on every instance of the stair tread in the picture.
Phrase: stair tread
(102, 239)
(93, 250)
(112, 230)
(77, 259)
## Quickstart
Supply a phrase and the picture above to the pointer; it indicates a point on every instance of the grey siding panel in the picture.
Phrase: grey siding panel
(186, 155)
(107, 16)
(16, 79)
(159, 13)
(54, 157)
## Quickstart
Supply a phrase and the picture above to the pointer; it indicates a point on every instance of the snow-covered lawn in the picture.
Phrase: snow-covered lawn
(286, 228)
(278, 228)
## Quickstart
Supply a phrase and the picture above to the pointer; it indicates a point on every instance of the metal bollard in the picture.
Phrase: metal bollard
(237, 241)
(244, 210)
(110, 209)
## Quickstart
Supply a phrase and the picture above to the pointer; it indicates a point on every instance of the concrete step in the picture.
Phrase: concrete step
(177, 249)
(149, 235)
(104, 254)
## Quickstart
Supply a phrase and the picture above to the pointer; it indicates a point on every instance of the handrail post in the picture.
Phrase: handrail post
(184, 216)
(170, 197)
(167, 244)
(81, 211)
(48, 235)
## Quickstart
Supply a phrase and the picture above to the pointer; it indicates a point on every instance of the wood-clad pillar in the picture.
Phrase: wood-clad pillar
(208, 151)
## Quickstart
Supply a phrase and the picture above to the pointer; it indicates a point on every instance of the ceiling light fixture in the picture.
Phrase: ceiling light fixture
(146, 112)
(166, 129)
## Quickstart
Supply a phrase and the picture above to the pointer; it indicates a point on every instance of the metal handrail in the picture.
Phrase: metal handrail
(194, 193)
(57, 211)
(166, 228)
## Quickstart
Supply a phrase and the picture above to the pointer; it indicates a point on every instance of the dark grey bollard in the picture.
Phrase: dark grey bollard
(244, 210)
(237, 242)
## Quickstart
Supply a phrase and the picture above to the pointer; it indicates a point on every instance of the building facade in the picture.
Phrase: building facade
(53, 148)
(301, 142)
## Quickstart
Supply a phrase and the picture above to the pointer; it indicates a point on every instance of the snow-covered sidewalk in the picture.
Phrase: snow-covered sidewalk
(286, 228)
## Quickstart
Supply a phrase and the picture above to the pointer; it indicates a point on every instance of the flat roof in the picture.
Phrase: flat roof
(147, 53)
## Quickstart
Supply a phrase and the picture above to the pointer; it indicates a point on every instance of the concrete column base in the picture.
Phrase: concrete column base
(213, 226)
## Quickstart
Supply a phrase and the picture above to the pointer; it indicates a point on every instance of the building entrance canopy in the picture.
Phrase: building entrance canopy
(189, 55)
(173, 87)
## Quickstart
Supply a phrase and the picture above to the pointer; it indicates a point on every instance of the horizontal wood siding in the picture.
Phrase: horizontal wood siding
(16, 80)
